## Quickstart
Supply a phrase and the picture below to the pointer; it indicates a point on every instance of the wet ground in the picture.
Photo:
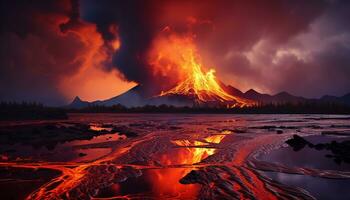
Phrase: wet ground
(176, 156)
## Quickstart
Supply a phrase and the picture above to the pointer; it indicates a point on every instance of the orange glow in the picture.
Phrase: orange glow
(195, 155)
(116, 44)
(166, 182)
(214, 138)
(177, 57)
(93, 82)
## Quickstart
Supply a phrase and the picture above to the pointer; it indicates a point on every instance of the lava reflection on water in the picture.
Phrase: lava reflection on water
(153, 184)
(197, 151)
(209, 157)
(98, 127)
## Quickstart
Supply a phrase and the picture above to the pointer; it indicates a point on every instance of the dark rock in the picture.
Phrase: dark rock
(124, 130)
(50, 126)
(195, 176)
(174, 128)
(320, 146)
(315, 127)
(340, 151)
(297, 142)
(335, 133)
(265, 127)
(240, 130)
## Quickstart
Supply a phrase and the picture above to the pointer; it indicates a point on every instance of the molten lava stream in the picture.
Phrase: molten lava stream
(71, 178)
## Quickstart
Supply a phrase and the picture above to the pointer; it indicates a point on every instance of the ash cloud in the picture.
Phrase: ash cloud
(134, 20)
(242, 39)
(297, 46)
(43, 43)
(311, 62)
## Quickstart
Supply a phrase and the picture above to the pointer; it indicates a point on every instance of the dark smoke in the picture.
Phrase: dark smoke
(134, 20)
(225, 31)
(37, 51)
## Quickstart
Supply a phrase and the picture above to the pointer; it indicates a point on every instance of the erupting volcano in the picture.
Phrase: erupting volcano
(203, 87)
(178, 56)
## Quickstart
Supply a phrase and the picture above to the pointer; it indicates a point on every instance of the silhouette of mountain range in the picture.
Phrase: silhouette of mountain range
(78, 103)
(134, 97)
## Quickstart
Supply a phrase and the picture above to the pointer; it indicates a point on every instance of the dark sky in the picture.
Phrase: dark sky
(52, 51)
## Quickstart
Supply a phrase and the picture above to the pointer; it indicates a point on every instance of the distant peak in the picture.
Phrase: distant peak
(77, 98)
(283, 94)
(327, 96)
(231, 87)
(346, 95)
(251, 91)
(78, 103)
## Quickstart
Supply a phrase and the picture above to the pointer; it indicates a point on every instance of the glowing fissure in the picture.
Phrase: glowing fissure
(181, 53)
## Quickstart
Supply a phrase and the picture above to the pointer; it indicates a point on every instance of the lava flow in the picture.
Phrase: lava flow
(201, 159)
(178, 56)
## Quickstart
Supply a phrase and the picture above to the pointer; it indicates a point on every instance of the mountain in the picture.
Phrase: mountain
(203, 90)
(231, 90)
(346, 98)
(134, 97)
(130, 98)
(282, 97)
(254, 95)
(333, 99)
(78, 103)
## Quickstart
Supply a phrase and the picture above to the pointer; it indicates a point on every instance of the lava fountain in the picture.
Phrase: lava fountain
(177, 57)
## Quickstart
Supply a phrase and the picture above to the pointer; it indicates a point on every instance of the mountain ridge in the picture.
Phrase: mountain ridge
(134, 97)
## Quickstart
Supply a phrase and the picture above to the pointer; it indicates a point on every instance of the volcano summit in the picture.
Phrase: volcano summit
(177, 57)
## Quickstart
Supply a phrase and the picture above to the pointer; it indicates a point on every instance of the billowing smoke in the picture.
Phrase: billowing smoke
(49, 55)
(134, 20)
(250, 43)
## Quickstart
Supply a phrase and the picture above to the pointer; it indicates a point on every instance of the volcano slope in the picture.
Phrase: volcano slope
(176, 157)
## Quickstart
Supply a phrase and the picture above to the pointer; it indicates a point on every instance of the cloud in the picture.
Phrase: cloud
(311, 63)
(48, 53)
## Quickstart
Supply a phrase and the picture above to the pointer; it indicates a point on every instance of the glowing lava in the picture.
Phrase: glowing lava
(177, 56)
(197, 149)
